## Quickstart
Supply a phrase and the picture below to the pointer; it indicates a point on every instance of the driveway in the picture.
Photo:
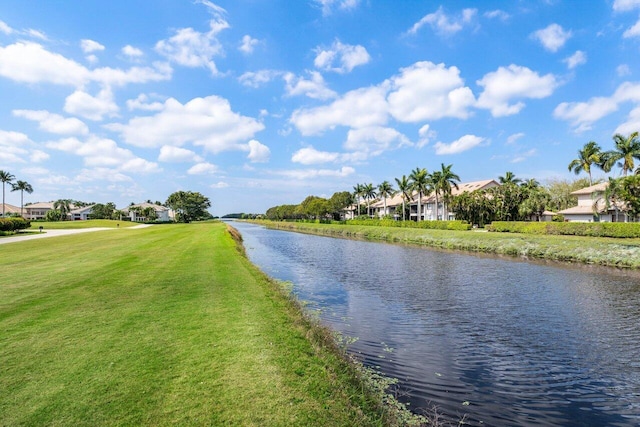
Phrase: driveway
(54, 233)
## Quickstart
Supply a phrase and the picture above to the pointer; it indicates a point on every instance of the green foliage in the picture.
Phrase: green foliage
(12, 224)
(53, 215)
(189, 206)
(629, 190)
(100, 211)
(593, 229)
(433, 225)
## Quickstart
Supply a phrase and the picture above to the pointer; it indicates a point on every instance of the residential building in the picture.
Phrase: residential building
(136, 212)
(38, 210)
(9, 210)
(592, 207)
(81, 214)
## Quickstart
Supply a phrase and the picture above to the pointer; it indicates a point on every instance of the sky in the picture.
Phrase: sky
(258, 103)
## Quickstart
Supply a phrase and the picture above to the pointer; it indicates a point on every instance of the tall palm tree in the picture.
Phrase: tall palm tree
(22, 186)
(64, 206)
(626, 149)
(385, 190)
(369, 193)
(442, 181)
(591, 154)
(404, 187)
(357, 193)
(420, 184)
(5, 177)
(509, 178)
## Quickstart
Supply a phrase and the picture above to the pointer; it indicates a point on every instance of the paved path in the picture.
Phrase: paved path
(54, 233)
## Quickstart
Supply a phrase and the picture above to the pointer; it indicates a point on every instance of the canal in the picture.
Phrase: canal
(500, 342)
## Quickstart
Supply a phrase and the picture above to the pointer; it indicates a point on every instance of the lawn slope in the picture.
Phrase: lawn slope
(167, 325)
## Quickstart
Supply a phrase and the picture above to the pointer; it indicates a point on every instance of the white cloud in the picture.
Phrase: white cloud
(302, 174)
(426, 91)
(90, 46)
(552, 37)
(98, 174)
(13, 147)
(513, 82)
(623, 70)
(444, 24)
(258, 152)
(497, 14)
(373, 141)
(191, 48)
(329, 5)
(248, 44)
(311, 156)
(204, 168)
(524, 156)
(54, 123)
(314, 88)
(341, 58)
(142, 103)
(576, 59)
(514, 137)
(633, 31)
(38, 156)
(170, 153)
(207, 122)
(132, 52)
(465, 143)
(258, 78)
(426, 135)
(358, 108)
(625, 5)
(36, 34)
(4, 28)
(91, 107)
(583, 114)
(220, 184)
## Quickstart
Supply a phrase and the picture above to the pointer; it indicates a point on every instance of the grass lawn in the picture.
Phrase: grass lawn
(166, 325)
(58, 225)
(587, 250)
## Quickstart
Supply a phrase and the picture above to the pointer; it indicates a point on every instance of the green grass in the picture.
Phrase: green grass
(59, 225)
(587, 250)
(161, 326)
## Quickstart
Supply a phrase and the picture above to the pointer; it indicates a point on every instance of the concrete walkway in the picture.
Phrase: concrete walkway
(54, 233)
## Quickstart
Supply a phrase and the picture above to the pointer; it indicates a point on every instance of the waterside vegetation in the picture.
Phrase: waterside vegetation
(165, 325)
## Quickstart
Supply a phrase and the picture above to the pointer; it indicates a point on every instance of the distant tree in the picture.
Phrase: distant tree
(442, 181)
(5, 177)
(313, 207)
(149, 213)
(404, 187)
(20, 186)
(629, 190)
(421, 184)
(509, 178)
(357, 194)
(64, 207)
(189, 206)
(369, 193)
(52, 215)
(626, 150)
(102, 211)
(560, 196)
(338, 202)
(591, 154)
(385, 190)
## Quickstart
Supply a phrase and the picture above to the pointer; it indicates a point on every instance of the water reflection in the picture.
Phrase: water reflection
(503, 341)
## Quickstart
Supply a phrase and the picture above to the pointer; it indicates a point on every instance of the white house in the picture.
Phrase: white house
(592, 207)
(135, 212)
(81, 214)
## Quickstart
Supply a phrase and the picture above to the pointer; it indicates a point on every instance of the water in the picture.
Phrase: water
(498, 341)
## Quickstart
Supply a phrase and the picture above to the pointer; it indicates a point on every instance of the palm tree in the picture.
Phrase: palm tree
(626, 149)
(404, 187)
(5, 177)
(385, 189)
(591, 154)
(22, 186)
(420, 184)
(369, 193)
(64, 206)
(509, 178)
(442, 181)
(357, 193)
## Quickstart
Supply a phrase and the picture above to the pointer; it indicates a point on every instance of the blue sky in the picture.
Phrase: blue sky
(257, 103)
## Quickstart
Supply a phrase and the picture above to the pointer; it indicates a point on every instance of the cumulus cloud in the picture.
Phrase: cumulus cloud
(513, 82)
(311, 156)
(142, 102)
(497, 14)
(204, 168)
(329, 5)
(625, 5)
(191, 48)
(373, 141)
(302, 174)
(576, 59)
(256, 79)
(132, 52)
(315, 87)
(258, 152)
(248, 44)
(426, 134)
(552, 37)
(208, 122)
(443, 24)
(14, 147)
(4, 28)
(633, 31)
(582, 115)
(426, 91)
(465, 143)
(514, 137)
(341, 58)
(90, 46)
(54, 123)
(169, 153)
(82, 104)
(358, 108)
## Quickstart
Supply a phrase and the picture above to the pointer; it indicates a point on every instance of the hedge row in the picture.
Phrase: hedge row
(14, 224)
(435, 225)
(593, 229)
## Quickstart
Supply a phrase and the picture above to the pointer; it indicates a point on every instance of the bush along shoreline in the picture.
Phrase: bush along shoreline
(603, 251)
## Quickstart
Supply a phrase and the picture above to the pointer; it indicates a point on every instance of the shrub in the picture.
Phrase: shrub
(14, 224)
(593, 229)
(438, 225)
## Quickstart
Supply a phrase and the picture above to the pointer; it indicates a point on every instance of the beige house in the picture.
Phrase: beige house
(37, 210)
(592, 207)
(135, 212)
(9, 210)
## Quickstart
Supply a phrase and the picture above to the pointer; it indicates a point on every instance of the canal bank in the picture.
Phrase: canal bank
(622, 253)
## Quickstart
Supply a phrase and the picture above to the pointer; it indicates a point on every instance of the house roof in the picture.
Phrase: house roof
(596, 188)
(144, 205)
(40, 205)
(9, 208)
(82, 209)
(589, 210)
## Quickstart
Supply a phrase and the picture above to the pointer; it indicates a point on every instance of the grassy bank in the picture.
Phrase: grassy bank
(69, 225)
(588, 250)
(166, 325)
